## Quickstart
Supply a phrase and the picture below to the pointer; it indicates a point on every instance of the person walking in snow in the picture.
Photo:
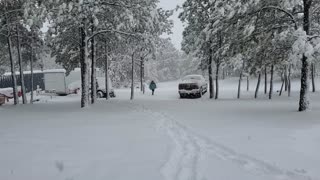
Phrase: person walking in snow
(153, 87)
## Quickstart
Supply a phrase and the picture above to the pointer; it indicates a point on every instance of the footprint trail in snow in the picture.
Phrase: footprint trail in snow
(183, 163)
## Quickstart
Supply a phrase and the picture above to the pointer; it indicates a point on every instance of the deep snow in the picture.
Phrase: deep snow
(162, 137)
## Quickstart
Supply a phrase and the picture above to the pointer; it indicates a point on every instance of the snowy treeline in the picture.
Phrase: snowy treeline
(255, 38)
(20, 39)
(83, 33)
(169, 63)
(260, 38)
(166, 63)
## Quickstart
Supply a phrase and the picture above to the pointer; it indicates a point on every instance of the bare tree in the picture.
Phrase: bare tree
(258, 86)
(23, 88)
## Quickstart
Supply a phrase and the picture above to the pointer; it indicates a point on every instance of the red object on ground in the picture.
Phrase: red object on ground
(2, 99)
(19, 93)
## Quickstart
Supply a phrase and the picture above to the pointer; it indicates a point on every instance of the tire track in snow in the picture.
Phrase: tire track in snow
(183, 161)
(189, 147)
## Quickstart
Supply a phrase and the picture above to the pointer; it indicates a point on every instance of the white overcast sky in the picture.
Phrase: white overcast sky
(176, 37)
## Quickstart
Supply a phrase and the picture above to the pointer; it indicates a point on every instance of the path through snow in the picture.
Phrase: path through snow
(190, 148)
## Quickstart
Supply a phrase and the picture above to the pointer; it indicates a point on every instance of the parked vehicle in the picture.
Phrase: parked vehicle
(7, 93)
(3, 99)
(101, 90)
(193, 86)
(55, 81)
(75, 88)
(52, 80)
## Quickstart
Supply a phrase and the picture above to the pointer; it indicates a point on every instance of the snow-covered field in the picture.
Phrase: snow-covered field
(162, 137)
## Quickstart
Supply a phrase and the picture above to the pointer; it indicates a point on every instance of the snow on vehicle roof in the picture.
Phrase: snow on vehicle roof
(2, 90)
(7, 91)
(193, 76)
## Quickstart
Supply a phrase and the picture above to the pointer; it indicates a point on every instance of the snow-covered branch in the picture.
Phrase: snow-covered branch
(284, 11)
(9, 12)
(6, 35)
(317, 8)
(109, 31)
(313, 37)
(74, 40)
(116, 4)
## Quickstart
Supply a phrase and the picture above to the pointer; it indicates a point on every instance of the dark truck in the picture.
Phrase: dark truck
(193, 86)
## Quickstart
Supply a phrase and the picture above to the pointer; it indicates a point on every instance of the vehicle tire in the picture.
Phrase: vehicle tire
(181, 96)
(112, 95)
(204, 90)
(78, 91)
(199, 95)
(100, 94)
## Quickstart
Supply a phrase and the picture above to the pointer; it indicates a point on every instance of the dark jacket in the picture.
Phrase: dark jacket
(152, 85)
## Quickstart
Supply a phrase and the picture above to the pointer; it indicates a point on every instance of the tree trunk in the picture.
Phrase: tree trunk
(289, 81)
(217, 80)
(224, 74)
(304, 99)
(31, 69)
(258, 86)
(239, 85)
(23, 88)
(283, 83)
(240, 79)
(143, 77)
(13, 73)
(271, 82)
(93, 72)
(89, 74)
(12, 65)
(286, 78)
(132, 77)
(211, 86)
(266, 80)
(313, 77)
(84, 69)
(106, 70)
(141, 74)
(218, 63)
(248, 83)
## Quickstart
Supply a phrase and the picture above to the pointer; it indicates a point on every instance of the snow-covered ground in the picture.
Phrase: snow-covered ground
(162, 137)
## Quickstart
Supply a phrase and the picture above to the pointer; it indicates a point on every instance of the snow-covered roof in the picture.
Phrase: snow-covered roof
(38, 72)
(55, 71)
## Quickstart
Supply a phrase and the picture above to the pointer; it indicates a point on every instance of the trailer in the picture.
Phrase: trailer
(55, 81)
(6, 80)
(51, 81)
